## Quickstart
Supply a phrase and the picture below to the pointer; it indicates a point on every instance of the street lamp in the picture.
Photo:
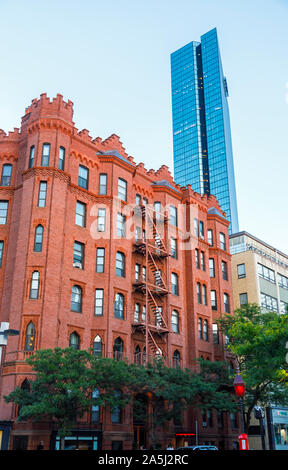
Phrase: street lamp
(5, 331)
(239, 387)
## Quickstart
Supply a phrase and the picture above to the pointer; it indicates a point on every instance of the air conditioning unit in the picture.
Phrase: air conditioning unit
(77, 265)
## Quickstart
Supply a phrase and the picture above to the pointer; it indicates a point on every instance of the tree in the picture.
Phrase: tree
(258, 340)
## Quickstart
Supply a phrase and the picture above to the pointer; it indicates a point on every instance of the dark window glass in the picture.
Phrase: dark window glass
(97, 346)
(213, 300)
(80, 218)
(116, 411)
(119, 306)
(31, 156)
(83, 176)
(224, 271)
(76, 299)
(118, 349)
(38, 238)
(95, 409)
(176, 359)
(6, 175)
(120, 264)
(45, 155)
(61, 158)
(30, 337)
(226, 303)
(1, 252)
(243, 298)
(241, 271)
(78, 255)
(74, 341)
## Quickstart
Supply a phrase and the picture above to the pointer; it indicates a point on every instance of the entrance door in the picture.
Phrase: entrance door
(20, 442)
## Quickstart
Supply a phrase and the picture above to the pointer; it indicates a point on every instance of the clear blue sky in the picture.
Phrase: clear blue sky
(112, 59)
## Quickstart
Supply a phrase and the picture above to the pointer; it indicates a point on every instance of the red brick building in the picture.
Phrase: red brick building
(98, 252)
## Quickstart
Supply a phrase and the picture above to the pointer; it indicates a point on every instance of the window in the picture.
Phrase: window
(268, 302)
(83, 177)
(199, 299)
(233, 420)
(116, 410)
(175, 321)
(204, 294)
(119, 306)
(211, 267)
(143, 273)
(100, 260)
(30, 337)
(80, 218)
(42, 194)
(213, 300)
(122, 189)
(121, 225)
(200, 328)
(97, 346)
(6, 175)
(45, 155)
(74, 341)
(222, 241)
(31, 156)
(95, 409)
(61, 164)
(243, 298)
(120, 264)
(34, 285)
(118, 348)
(175, 284)
(205, 331)
(282, 281)
(38, 240)
(210, 237)
(197, 260)
(224, 271)
(137, 271)
(1, 252)
(137, 355)
(143, 313)
(202, 257)
(138, 199)
(196, 228)
(101, 220)
(201, 230)
(226, 303)
(176, 358)
(76, 299)
(283, 307)
(78, 255)
(145, 200)
(173, 247)
(266, 273)
(241, 271)
(157, 209)
(173, 216)
(215, 333)
(3, 212)
(99, 297)
(137, 234)
(136, 313)
(103, 184)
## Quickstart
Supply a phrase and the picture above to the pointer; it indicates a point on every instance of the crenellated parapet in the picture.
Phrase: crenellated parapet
(44, 107)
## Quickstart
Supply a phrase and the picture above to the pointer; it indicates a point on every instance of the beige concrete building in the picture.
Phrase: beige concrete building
(260, 275)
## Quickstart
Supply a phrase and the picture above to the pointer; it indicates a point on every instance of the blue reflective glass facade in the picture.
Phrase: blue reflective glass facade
(201, 125)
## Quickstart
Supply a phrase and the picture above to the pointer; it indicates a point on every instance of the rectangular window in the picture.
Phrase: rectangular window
(201, 229)
(99, 297)
(224, 271)
(202, 257)
(175, 284)
(61, 164)
(210, 237)
(196, 228)
(241, 271)
(101, 220)
(226, 303)
(42, 194)
(31, 156)
(211, 267)
(222, 241)
(121, 225)
(138, 199)
(199, 298)
(283, 307)
(204, 294)
(103, 184)
(122, 189)
(3, 212)
(268, 302)
(78, 255)
(80, 218)
(266, 273)
(143, 273)
(100, 260)
(282, 281)
(173, 248)
(45, 155)
(173, 216)
(83, 177)
(6, 175)
(137, 272)
(197, 260)
(243, 298)
(215, 333)
(213, 300)
(1, 252)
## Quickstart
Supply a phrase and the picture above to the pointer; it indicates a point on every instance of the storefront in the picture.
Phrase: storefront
(78, 440)
(277, 420)
(5, 427)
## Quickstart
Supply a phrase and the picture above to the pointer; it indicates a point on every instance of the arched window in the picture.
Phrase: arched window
(120, 264)
(176, 358)
(34, 285)
(119, 306)
(144, 355)
(6, 175)
(76, 299)
(38, 241)
(97, 346)
(175, 321)
(137, 355)
(30, 337)
(205, 330)
(74, 340)
(118, 349)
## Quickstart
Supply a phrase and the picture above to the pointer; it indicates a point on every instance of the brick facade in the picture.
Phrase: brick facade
(42, 196)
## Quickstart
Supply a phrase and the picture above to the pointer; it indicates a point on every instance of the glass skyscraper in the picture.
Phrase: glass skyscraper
(201, 125)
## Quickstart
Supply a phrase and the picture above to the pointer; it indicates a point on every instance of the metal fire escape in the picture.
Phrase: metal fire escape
(152, 246)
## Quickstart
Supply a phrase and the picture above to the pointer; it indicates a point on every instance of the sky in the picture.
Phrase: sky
(112, 60)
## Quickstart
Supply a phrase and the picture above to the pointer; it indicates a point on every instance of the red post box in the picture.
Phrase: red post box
(243, 442)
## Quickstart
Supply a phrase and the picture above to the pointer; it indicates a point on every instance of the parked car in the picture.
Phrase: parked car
(198, 448)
